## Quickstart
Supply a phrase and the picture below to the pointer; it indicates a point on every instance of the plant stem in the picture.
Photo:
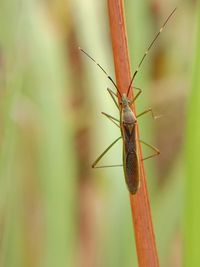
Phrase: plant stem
(140, 207)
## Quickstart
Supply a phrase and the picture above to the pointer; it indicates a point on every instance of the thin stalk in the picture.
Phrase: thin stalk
(140, 207)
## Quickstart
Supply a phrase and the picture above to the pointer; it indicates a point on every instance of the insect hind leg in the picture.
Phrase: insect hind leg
(156, 151)
(102, 154)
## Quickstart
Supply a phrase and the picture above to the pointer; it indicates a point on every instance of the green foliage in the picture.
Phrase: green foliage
(36, 164)
(39, 158)
(192, 184)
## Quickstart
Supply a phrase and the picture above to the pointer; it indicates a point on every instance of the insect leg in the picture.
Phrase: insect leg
(136, 96)
(105, 151)
(113, 95)
(147, 111)
(157, 152)
(111, 118)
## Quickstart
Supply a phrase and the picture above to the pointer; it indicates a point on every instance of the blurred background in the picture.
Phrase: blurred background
(55, 210)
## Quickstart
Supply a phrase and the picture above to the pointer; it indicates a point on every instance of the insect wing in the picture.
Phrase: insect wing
(131, 166)
(132, 171)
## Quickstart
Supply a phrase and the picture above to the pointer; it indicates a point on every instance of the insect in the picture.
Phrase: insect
(127, 124)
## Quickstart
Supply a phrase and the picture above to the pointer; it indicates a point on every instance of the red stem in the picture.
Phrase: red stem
(140, 207)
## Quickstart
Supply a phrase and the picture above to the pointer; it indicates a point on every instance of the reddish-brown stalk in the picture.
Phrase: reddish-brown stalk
(140, 207)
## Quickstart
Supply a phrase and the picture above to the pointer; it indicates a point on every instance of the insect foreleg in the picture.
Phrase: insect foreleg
(113, 95)
(102, 154)
(157, 152)
(136, 96)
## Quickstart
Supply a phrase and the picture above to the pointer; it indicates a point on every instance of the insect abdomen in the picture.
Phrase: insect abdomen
(132, 172)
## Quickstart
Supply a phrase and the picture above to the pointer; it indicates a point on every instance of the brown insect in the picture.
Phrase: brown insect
(127, 124)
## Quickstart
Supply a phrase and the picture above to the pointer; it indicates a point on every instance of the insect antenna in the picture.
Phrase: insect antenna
(147, 51)
(110, 78)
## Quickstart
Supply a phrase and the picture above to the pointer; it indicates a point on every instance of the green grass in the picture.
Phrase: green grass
(38, 167)
(192, 183)
(37, 162)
